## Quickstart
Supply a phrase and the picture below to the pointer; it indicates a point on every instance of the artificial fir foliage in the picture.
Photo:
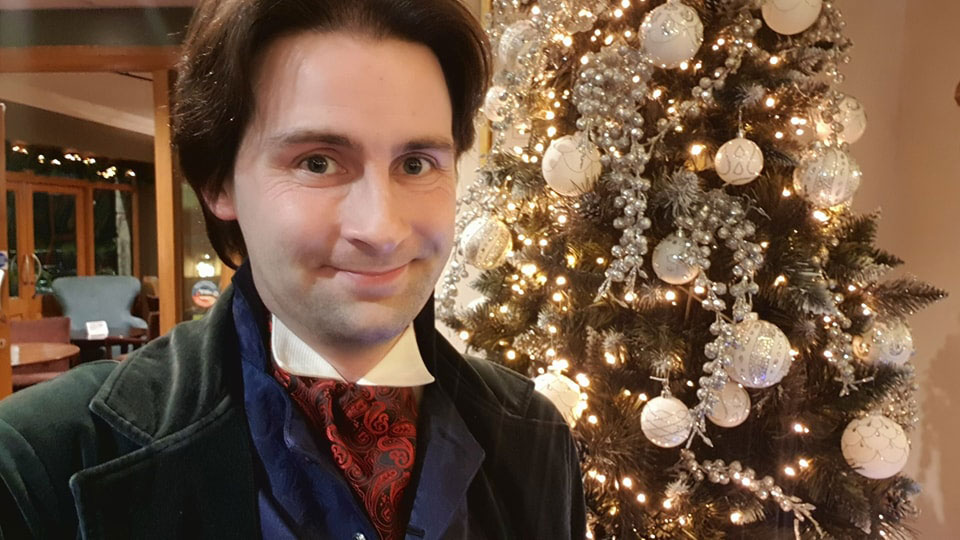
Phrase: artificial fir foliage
(663, 277)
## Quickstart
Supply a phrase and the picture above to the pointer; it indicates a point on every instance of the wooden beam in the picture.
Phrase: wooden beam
(83, 58)
(6, 370)
(169, 252)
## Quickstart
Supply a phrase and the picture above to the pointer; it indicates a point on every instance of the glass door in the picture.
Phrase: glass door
(44, 224)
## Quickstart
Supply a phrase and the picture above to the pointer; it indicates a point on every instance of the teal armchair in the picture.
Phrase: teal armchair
(99, 298)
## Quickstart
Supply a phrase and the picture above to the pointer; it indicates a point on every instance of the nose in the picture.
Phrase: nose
(372, 215)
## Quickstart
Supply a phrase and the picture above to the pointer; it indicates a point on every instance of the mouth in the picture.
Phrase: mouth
(376, 279)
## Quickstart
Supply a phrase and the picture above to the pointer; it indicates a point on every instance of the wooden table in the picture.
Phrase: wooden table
(39, 362)
(100, 348)
(38, 357)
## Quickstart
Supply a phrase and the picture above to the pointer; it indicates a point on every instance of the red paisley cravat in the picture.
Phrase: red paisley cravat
(372, 432)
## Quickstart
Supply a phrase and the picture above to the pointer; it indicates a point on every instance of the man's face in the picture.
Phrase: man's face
(344, 185)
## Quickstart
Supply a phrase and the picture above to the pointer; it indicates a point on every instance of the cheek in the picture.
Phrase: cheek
(433, 215)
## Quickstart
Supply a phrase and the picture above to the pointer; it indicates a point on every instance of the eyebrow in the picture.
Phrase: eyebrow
(324, 137)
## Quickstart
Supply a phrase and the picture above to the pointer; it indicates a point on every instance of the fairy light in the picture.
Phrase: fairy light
(699, 289)
(697, 149)
(800, 428)
(583, 380)
(852, 288)
(770, 102)
(543, 242)
(567, 41)
(535, 10)
(780, 280)
(828, 354)
(642, 397)
(602, 478)
(552, 329)
(610, 358)
(627, 482)
(778, 135)
(774, 60)
(787, 192)
(625, 4)
(561, 281)
(642, 498)
(789, 471)
(592, 419)
(464, 335)
(504, 309)
(803, 463)
(736, 517)
(618, 13)
(670, 296)
(668, 503)
(528, 269)
(821, 216)
(571, 260)
(562, 219)
(684, 65)
(551, 352)
(511, 354)
(630, 297)
(551, 131)
(557, 297)
(601, 260)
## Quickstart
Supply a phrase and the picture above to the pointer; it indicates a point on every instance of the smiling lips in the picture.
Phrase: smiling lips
(376, 278)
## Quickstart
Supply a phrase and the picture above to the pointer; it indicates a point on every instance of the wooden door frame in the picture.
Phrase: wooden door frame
(160, 61)
(6, 370)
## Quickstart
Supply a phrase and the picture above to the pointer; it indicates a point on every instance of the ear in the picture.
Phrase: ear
(221, 204)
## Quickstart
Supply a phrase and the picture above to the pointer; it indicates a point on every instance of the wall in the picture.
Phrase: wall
(905, 69)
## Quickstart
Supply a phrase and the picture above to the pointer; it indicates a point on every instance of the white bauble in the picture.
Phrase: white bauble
(885, 342)
(875, 446)
(494, 102)
(668, 262)
(671, 34)
(733, 406)
(739, 161)
(571, 165)
(761, 356)
(486, 242)
(789, 17)
(851, 115)
(827, 177)
(563, 393)
(517, 40)
(666, 421)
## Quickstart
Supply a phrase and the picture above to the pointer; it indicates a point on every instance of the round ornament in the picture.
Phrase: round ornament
(671, 34)
(494, 102)
(517, 40)
(486, 241)
(761, 356)
(789, 17)
(852, 116)
(563, 393)
(875, 446)
(668, 261)
(666, 421)
(887, 342)
(571, 165)
(827, 177)
(739, 161)
(733, 406)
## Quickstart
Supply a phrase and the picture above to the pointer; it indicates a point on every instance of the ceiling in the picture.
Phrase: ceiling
(92, 4)
(123, 101)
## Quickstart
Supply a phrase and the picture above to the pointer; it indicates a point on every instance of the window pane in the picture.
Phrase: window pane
(113, 232)
(14, 277)
(55, 237)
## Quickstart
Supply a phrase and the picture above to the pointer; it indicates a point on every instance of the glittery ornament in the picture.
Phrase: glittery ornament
(885, 342)
(851, 115)
(671, 34)
(486, 241)
(875, 446)
(789, 17)
(732, 407)
(827, 177)
(517, 41)
(739, 161)
(563, 393)
(666, 421)
(571, 165)
(761, 354)
(494, 102)
(668, 261)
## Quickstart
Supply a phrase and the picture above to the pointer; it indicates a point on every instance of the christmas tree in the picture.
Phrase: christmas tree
(663, 237)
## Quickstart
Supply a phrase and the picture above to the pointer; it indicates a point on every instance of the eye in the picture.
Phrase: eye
(320, 164)
(417, 166)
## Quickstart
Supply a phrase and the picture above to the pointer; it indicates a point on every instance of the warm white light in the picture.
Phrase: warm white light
(803, 463)
(641, 498)
(592, 419)
(736, 517)
(561, 281)
(529, 269)
(787, 192)
(511, 355)
(610, 358)
(627, 482)
(557, 297)
(778, 134)
(464, 335)
(657, 93)
(770, 102)
(668, 504)
(780, 280)
(774, 60)
(670, 296)
(821, 216)
(789, 471)
(206, 270)
(697, 149)
(629, 297)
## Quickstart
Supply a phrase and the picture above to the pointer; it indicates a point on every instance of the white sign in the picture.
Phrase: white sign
(97, 330)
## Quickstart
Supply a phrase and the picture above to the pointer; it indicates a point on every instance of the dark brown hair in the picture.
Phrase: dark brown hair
(214, 98)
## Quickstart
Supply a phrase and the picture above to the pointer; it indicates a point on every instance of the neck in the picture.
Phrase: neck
(353, 363)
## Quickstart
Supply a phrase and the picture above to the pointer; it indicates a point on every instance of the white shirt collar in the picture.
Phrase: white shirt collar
(401, 367)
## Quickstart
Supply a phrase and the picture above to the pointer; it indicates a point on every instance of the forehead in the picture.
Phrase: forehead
(362, 87)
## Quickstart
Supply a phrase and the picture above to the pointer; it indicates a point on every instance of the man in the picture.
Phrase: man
(316, 400)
